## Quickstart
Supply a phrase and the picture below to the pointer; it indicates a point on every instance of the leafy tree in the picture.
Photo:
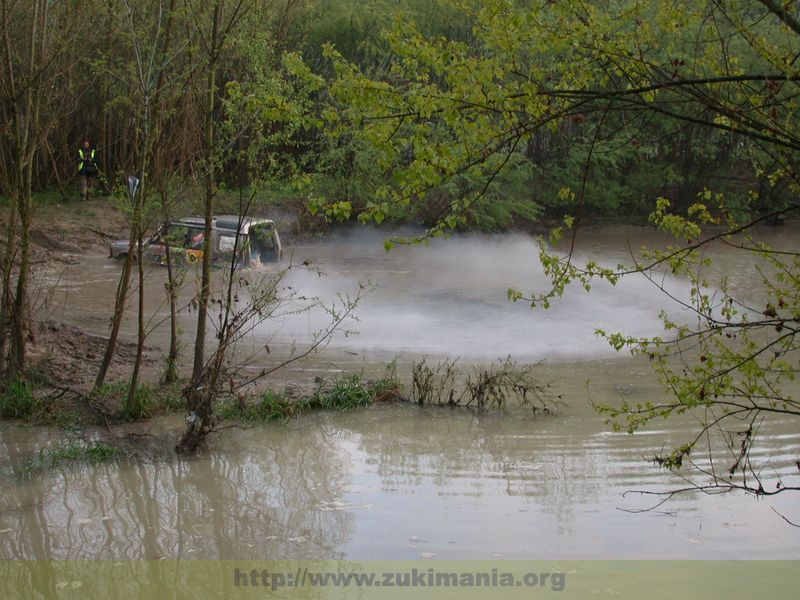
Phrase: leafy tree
(619, 85)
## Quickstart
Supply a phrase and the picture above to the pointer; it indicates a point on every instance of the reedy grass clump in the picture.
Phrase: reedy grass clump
(71, 452)
(496, 386)
(117, 394)
(17, 399)
(347, 392)
(147, 401)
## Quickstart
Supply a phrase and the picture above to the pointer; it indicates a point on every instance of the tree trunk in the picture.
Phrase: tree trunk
(119, 311)
(205, 281)
(26, 129)
(7, 299)
(138, 229)
(171, 370)
(171, 374)
(137, 363)
(19, 321)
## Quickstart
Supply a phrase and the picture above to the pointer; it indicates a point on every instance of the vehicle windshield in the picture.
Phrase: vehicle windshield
(263, 244)
(184, 236)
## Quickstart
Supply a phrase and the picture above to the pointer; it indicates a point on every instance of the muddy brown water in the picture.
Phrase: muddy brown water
(399, 481)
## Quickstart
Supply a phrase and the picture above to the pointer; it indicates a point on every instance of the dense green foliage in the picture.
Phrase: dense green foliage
(460, 79)
(571, 108)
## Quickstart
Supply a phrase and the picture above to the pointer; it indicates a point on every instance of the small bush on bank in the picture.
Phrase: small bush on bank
(271, 406)
(147, 401)
(348, 392)
(493, 387)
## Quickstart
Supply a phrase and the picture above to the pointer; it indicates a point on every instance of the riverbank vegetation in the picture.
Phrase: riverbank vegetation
(69, 453)
(494, 387)
(497, 387)
(346, 392)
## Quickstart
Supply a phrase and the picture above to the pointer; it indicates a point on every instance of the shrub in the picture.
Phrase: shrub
(493, 387)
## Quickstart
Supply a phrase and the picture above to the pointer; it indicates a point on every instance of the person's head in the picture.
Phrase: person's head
(86, 144)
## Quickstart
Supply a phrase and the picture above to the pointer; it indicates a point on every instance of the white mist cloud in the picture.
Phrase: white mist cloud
(450, 298)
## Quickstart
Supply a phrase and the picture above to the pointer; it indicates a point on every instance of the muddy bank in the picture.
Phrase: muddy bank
(63, 231)
(67, 355)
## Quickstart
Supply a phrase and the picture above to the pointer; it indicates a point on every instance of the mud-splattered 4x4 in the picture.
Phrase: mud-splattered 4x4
(257, 242)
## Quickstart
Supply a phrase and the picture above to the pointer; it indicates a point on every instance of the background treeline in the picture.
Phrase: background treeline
(90, 86)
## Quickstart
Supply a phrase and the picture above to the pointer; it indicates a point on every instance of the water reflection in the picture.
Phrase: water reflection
(392, 482)
(465, 486)
(256, 504)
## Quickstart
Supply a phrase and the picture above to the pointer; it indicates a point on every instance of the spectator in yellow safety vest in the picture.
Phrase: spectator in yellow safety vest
(87, 169)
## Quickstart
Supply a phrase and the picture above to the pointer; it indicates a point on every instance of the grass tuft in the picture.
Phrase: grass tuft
(17, 400)
(140, 407)
(146, 401)
(348, 392)
(72, 452)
